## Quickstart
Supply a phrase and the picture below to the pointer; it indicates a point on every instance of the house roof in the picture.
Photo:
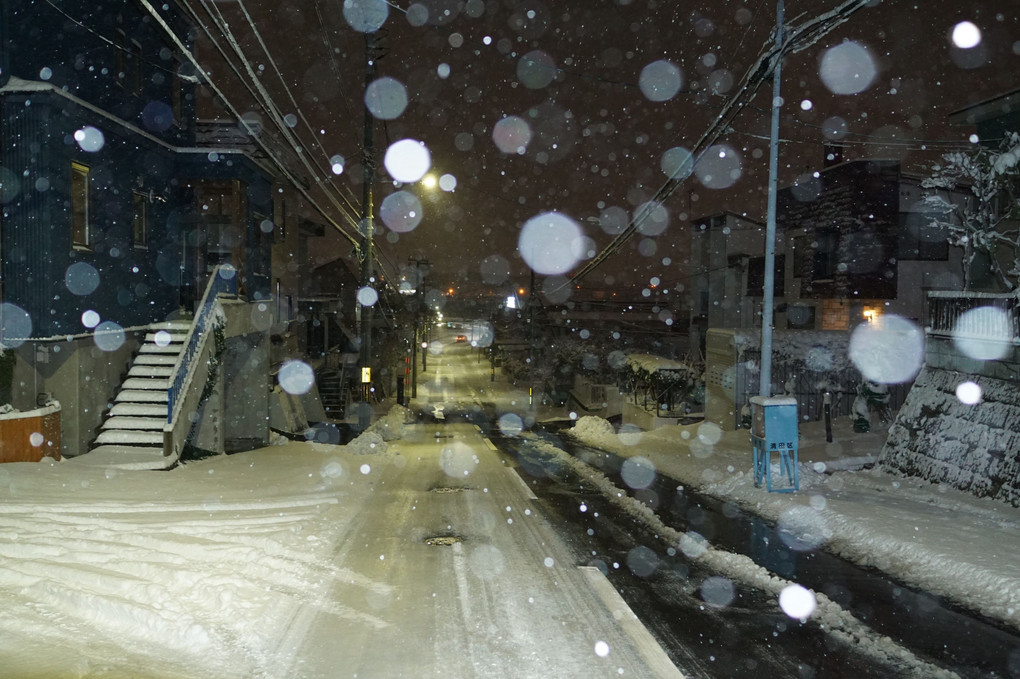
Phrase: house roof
(986, 110)
(728, 213)
(15, 85)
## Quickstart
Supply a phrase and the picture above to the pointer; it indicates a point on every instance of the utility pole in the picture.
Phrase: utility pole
(420, 269)
(367, 250)
(531, 341)
(768, 301)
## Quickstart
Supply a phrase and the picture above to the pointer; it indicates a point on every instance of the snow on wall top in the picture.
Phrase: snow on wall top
(821, 350)
(652, 364)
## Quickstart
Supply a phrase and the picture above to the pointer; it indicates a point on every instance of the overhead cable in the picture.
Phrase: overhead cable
(241, 120)
(266, 101)
(794, 40)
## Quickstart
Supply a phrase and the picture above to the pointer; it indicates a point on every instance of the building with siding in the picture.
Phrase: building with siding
(113, 218)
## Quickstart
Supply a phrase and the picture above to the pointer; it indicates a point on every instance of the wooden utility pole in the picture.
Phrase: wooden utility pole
(368, 228)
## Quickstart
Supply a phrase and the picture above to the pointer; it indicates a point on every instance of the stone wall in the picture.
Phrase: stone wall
(944, 438)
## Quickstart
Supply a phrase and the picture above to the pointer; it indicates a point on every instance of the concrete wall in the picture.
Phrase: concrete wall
(970, 446)
(594, 398)
(245, 366)
(82, 377)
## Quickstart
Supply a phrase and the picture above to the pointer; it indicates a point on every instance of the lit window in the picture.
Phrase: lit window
(81, 208)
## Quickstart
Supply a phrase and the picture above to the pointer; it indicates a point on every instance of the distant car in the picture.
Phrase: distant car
(461, 338)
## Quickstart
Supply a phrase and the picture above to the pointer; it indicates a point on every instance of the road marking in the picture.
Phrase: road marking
(489, 444)
(527, 489)
(647, 647)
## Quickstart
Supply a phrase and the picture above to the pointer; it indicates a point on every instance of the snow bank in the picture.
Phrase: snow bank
(925, 535)
(389, 427)
(742, 569)
(368, 443)
(591, 427)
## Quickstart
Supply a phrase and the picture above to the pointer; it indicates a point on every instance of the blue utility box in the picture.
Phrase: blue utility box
(774, 434)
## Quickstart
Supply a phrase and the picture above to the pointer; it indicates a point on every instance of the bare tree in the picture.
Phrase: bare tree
(987, 222)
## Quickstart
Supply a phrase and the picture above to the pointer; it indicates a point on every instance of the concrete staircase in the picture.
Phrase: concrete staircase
(131, 436)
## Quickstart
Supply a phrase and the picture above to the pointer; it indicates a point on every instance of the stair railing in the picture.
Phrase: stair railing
(223, 281)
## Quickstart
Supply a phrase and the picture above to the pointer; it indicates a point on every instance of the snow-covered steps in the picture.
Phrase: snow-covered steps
(155, 359)
(142, 370)
(131, 438)
(125, 457)
(145, 384)
(141, 396)
(164, 337)
(174, 349)
(132, 435)
(139, 410)
(138, 423)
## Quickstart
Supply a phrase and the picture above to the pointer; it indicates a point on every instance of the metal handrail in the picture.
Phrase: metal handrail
(946, 309)
(184, 368)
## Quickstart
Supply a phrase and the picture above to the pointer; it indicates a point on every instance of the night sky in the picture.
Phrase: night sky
(572, 107)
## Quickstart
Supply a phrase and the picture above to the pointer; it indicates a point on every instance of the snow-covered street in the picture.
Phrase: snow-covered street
(425, 555)
(425, 559)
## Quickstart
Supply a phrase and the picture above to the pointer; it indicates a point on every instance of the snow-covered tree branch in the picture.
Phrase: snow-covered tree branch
(986, 223)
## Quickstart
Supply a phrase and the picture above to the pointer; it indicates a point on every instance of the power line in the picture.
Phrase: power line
(265, 101)
(795, 40)
(287, 89)
(241, 120)
(112, 43)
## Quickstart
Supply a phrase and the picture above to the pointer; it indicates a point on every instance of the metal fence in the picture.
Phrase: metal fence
(809, 387)
(957, 313)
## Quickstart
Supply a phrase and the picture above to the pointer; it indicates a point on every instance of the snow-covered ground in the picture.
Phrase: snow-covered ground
(412, 552)
(299, 559)
(933, 537)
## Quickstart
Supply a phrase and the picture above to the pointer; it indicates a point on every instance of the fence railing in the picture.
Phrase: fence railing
(222, 281)
(948, 314)
(809, 388)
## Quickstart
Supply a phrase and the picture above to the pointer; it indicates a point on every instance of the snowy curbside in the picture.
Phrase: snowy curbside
(985, 585)
(389, 427)
(739, 568)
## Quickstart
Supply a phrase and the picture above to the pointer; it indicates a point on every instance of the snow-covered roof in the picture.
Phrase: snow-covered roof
(20, 85)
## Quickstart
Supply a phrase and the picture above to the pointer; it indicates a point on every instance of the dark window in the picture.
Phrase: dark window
(280, 207)
(120, 57)
(802, 263)
(140, 220)
(263, 230)
(824, 269)
(756, 276)
(177, 95)
(81, 206)
(919, 239)
(134, 69)
(800, 317)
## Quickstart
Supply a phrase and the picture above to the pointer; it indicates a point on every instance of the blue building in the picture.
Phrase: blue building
(113, 219)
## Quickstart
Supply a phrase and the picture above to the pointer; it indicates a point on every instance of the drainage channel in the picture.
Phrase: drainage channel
(709, 626)
(926, 624)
